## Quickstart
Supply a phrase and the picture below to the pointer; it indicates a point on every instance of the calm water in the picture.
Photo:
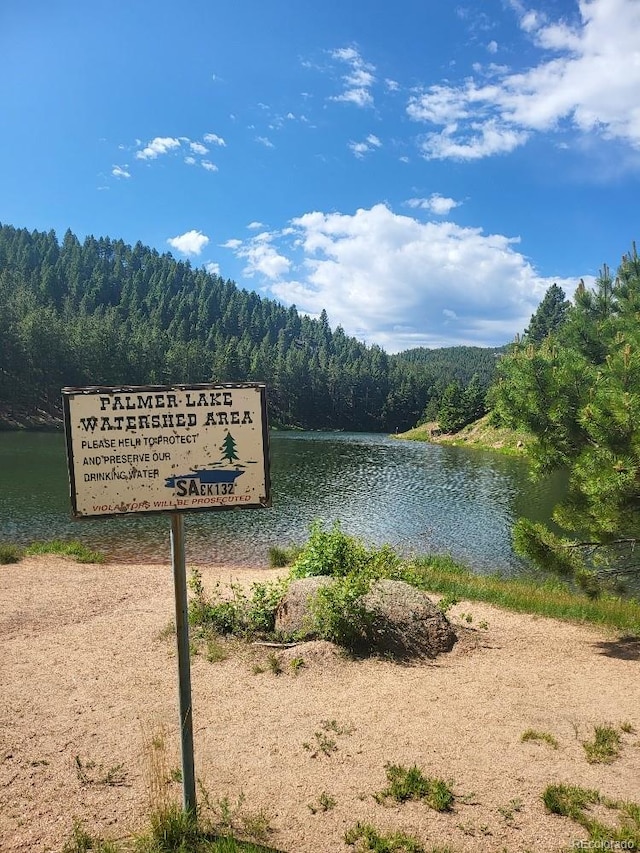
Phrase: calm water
(417, 497)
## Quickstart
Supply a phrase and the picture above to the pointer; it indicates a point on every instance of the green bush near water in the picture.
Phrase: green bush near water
(9, 554)
(337, 612)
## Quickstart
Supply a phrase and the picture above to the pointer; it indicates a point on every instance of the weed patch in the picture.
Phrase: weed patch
(324, 803)
(90, 773)
(605, 746)
(533, 735)
(238, 612)
(281, 557)
(9, 554)
(410, 784)
(74, 549)
(296, 665)
(324, 743)
(509, 811)
(365, 837)
(574, 802)
(81, 841)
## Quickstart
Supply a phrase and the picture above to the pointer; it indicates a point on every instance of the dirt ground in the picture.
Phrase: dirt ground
(88, 679)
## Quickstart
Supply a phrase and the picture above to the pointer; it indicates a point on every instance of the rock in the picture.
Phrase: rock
(292, 615)
(404, 621)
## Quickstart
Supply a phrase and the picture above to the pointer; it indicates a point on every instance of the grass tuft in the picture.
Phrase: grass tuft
(72, 548)
(605, 746)
(576, 803)
(367, 837)
(532, 734)
(410, 784)
(9, 553)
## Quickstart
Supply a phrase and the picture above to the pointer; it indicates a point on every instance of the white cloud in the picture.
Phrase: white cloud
(359, 149)
(212, 268)
(590, 84)
(393, 280)
(483, 140)
(264, 140)
(492, 47)
(190, 161)
(214, 139)
(209, 166)
(189, 243)
(253, 226)
(436, 203)
(159, 145)
(391, 85)
(261, 257)
(358, 80)
(198, 148)
(120, 172)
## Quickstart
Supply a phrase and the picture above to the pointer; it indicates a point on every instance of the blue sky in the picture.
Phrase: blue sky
(423, 170)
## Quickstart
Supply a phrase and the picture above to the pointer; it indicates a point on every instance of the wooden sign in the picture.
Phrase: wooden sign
(167, 449)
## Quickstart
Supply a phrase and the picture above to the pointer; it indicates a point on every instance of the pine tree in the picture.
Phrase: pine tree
(451, 414)
(550, 315)
(579, 394)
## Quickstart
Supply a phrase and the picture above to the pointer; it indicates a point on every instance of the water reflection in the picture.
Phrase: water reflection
(417, 497)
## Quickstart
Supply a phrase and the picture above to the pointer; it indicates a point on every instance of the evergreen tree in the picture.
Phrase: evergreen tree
(579, 394)
(550, 315)
(451, 414)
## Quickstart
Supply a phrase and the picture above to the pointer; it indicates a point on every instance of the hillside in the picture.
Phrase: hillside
(481, 434)
(102, 312)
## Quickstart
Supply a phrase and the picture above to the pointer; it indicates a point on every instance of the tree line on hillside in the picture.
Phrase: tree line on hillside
(102, 312)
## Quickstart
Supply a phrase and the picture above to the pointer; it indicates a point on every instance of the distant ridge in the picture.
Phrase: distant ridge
(104, 312)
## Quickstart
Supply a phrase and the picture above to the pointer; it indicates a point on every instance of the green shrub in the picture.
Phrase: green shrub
(335, 553)
(9, 554)
(240, 614)
(338, 614)
(280, 557)
(330, 552)
(263, 603)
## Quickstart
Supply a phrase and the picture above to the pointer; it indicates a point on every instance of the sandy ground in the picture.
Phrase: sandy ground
(88, 678)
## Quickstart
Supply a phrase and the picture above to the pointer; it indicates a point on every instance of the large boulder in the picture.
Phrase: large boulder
(404, 621)
(293, 616)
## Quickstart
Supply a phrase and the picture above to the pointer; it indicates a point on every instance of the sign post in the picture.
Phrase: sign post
(184, 663)
(175, 449)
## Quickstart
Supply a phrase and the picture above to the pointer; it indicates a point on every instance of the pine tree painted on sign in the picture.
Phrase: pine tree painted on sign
(229, 448)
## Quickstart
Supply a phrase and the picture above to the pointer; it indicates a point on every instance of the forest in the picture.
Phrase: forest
(102, 312)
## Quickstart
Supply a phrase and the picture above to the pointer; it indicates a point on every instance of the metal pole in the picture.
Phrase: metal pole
(184, 665)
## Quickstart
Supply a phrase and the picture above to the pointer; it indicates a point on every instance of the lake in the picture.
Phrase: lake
(417, 497)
